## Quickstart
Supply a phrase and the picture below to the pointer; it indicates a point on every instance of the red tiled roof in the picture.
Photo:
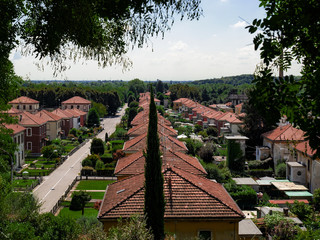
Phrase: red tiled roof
(143, 128)
(143, 118)
(76, 100)
(134, 163)
(285, 133)
(23, 100)
(166, 142)
(15, 127)
(304, 147)
(12, 111)
(231, 118)
(48, 116)
(26, 119)
(73, 112)
(187, 196)
(290, 201)
(63, 114)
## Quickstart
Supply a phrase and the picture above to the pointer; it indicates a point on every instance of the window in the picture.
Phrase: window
(30, 107)
(29, 145)
(299, 173)
(48, 127)
(205, 235)
(78, 107)
(22, 138)
(29, 132)
(18, 106)
(71, 106)
(24, 107)
(19, 139)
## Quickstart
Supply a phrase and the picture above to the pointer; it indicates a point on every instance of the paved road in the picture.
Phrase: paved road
(55, 185)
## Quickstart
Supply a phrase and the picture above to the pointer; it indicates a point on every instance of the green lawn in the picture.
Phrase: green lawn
(67, 204)
(37, 172)
(88, 212)
(93, 184)
(21, 183)
(96, 195)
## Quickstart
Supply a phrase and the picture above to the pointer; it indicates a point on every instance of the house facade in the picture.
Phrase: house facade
(18, 136)
(54, 123)
(36, 132)
(66, 121)
(77, 103)
(24, 103)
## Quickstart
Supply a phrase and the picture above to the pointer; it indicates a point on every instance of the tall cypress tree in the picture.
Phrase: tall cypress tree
(154, 204)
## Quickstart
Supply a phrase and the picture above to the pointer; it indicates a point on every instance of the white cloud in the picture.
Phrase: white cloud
(239, 24)
(179, 46)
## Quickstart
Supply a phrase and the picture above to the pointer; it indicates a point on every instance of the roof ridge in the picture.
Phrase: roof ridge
(206, 179)
(177, 154)
(134, 161)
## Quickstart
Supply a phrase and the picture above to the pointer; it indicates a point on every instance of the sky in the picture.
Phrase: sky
(217, 45)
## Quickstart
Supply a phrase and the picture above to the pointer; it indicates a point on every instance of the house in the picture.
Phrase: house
(248, 230)
(237, 98)
(143, 128)
(143, 118)
(18, 136)
(24, 103)
(134, 164)
(54, 123)
(80, 115)
(281, 140)
(166, 143)
(77, 103)
(67, 121)
(75, 117)
(308, 170)
(36, 132)
(238, 108)
(195, 206)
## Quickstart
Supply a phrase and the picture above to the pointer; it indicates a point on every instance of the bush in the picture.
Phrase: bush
(73, 131)
(50, 151)
(260, 172)
(193, 146)
(302, 210)
(316, 199)
(99, 165)
(264, 164)
(87, 163)
(206, 152)
(212, 131)
(281, 170)
(88, 171)
(97, 146)
(106, 137)
(197, 128)
(245, 196)
(80, 139)
(213, 172)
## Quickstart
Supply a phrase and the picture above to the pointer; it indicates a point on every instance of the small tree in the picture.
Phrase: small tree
(90, 160)
(73, 131)
(99, 165)
(93, 118)
(316, 199)
(281, 170)
(80, 139)
(206, 152)
(235, 159)
(97, 146)
(79, 200)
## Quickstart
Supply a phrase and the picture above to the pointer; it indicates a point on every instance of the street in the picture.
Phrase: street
(54, 186)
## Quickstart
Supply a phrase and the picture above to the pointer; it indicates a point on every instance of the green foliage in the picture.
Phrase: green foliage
(93, 118)
(160, 109)
(106, 136)
(281, 170)
(91, 160)
(101, 109)
(93, 184)
(119, 133)
(197, 128)
(316, 199)
(73, 131)
(257, 164)
(133, 228)
(132, 112)
(244, 195)
(154, 202)
(212, 131)
(186, 130)
(91, 228)
(289, 33)
(79, 200)
(235, 160)
(99, 165)
(193, 146)
(50, 152)
(206, 152)
(86, 163)
(301, 210)
(279, 227)
(221, 175)
(97, 146)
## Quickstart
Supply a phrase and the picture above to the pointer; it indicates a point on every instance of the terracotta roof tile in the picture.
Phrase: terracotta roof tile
(187, 196)
(48, 116)
(63, 114)
(15, 127)
(28, 119)
(304, 147)
(285, 133)
(143, 128)
(166, 142)
(23, 100)
(143, 118)
(76, 100)
(134, 163)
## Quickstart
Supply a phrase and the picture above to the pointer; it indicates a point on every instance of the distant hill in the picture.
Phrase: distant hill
(233, 80)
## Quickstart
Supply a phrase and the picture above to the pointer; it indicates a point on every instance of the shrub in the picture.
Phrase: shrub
(80, 139)
(86, 163)
(316, 199)
(88, 171)
(106, 136)
(245, 196)
(206, 152)
(264, 164)
(302, 210)
(213, 172)
(73, 131)
(279, 227)
(193, 146)
(212, 131)
(50, 151)
(197, 128)
(99, 165)
(281, 170)
(97, 146)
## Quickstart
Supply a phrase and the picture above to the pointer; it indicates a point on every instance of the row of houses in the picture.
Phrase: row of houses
(219, 116)
(195, 206)
(37, 126)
